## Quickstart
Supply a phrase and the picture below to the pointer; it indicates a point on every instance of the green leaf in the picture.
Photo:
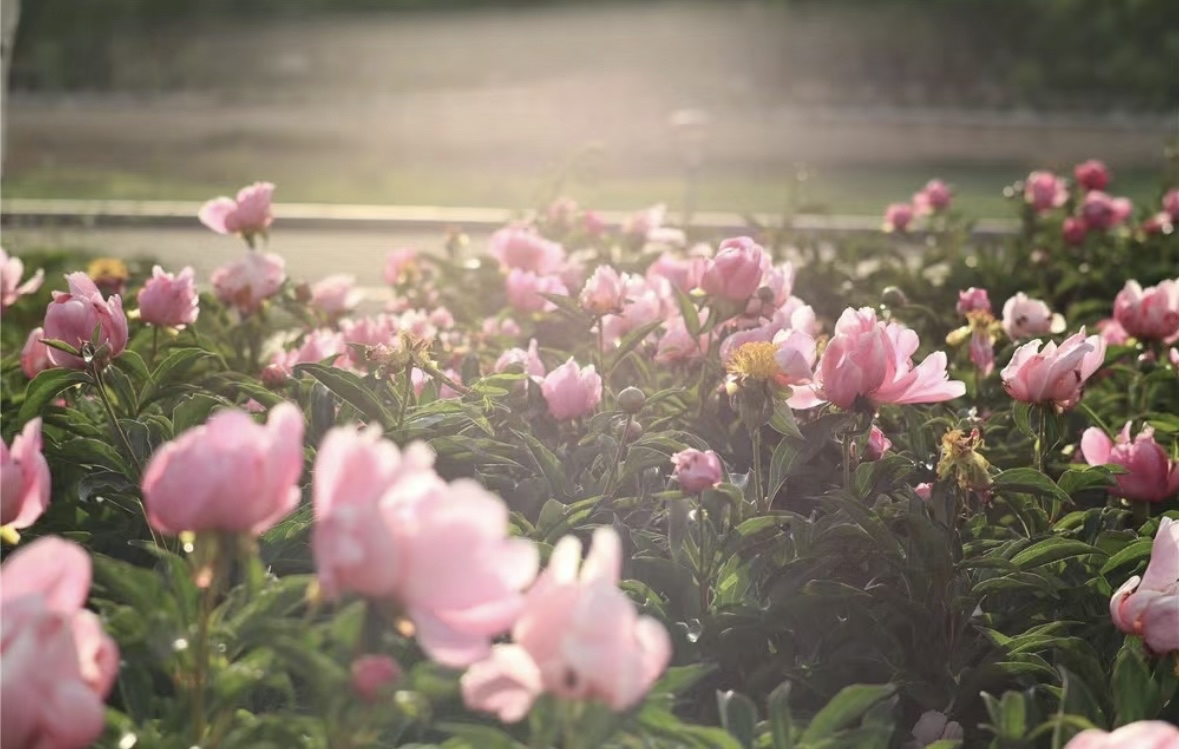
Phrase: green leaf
(738, 716)
(45, 387)
(349, 388)
(679, 679)
(632, 339)
(172, 369)
(783, 421)
(1135, 693)
(1136, 550)
(1031, 481)
(478, 736)
(1078, 479)
(844, 709)
(785, 459)
(194, 410)
(547, 462)
(1053, 550)
(688, 311)
(779, 716)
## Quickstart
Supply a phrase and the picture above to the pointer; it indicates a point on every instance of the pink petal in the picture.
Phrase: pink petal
(215, 214)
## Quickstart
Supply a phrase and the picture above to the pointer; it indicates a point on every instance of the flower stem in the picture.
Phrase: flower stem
(100, 386)
(155, 343)
(615, 467)
(760, 500)
(847, 459)
(407, 393)
(1041, 438)
(703, 569)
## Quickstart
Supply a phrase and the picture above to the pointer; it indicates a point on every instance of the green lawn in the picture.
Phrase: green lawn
(842, 190)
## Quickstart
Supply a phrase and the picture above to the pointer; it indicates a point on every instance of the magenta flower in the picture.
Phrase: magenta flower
(571, 391)
(249, 215)
(1101, 212)
(1055, 375)
(1074, 230)
(933, 198)
(1151, 476)
(24, 478)
(1148, 606)
(697, 470)
(898, 216)
(1092, 175)
(1044, 191)
(11, 289)
(169, 301)
(873, 360)
(578, 637)
(75, 316)
(973, 300)
(1151, 313)
(229, 474)
(371, 674)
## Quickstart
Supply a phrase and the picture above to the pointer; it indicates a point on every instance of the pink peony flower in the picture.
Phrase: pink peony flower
(317, 346)
(521, 247)
(58, 665)
(75, 316)
(1151, 476)
(1159, 223)
(697, 470)
(524, 289)
(973, 300)
(1171, 203)
(1024, 317)
(528, 361)
(684, 273)
(397, 262)
(336, 295)
(248, 215)
(872, 360)
(11, 289)
(371, 674)
(1148, 606)
(982, 351)
(248, 282)
(229, 474)
(604, 292)
(388, 527)
(877, 445)
(1074, 230)
(1112, 332)
(1145, 734)
(736, 272)
(505, 328)
(779, 281)
(1151, 313)
(678, 345)
(1055, 375)
(1044, 191)
(578, 637)
(34, 357)
(571, 391)
(1092, 175)
(934, 726)
(642, 223)
(1101, 212)
(934, 197)
(898, 216)
(169, 301)
(924, 491)
(24, 478)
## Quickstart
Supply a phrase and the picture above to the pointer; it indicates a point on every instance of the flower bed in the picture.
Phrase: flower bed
(607, 487)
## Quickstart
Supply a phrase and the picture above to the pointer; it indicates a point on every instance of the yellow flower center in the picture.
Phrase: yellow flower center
(755, 360)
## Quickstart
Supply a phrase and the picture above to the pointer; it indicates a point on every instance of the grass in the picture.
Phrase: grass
(838, 190)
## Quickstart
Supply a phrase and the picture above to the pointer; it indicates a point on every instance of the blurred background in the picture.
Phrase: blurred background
(479, 103)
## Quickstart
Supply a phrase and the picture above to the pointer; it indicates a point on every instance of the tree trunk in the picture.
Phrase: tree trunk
(9, 15)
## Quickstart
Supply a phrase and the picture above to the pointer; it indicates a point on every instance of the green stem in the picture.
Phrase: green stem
(615, 467)
(1041, 438)
(847, 459)
(703, 569)
(155, 343)
(201, 657)
(407, 393)
(116, 427)
(760, 500)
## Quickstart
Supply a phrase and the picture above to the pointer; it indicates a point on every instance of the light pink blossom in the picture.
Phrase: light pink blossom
(572, 391)
(1044, 191)
(11, 289)
(24, 478)
(1055, 375)
(34, 357)
(77, 315)
(169, 300)
(1024, 317)
(697, 470)
(1151, 476)
(519, 247)
(248, 282)
(249, 215)
(336, 295)
(1148, 606)
(1151, 313)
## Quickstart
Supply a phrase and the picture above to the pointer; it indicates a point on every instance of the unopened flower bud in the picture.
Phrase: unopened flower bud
(631, 400)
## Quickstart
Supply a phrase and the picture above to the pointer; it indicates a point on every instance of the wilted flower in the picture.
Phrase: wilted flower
(962, 461)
